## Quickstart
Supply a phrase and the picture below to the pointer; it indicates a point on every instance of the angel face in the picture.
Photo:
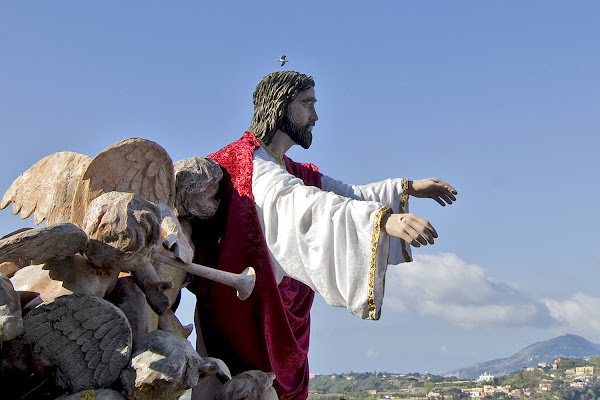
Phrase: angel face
(196, 184)
(127, 223)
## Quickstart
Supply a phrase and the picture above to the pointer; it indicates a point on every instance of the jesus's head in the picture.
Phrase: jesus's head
(284, 100)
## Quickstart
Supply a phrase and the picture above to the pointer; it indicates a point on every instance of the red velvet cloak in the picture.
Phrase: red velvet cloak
(270, 330)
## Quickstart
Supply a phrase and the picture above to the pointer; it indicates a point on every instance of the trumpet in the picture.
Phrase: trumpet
(243, 282)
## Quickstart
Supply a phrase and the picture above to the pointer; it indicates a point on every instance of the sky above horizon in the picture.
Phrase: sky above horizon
(500, 99)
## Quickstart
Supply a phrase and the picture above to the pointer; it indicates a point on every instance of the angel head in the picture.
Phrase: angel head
(127, 223)
(196, 185)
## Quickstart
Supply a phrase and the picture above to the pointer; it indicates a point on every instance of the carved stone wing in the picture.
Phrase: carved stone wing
(88, 338)
(51, 189)
(37, 246)
(137, 166)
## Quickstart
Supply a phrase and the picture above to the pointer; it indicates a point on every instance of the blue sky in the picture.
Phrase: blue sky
(500, 99)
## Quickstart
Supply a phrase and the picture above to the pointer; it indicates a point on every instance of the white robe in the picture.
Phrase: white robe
(329, 238)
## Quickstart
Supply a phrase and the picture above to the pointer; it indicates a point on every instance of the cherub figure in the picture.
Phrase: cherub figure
(121, 208)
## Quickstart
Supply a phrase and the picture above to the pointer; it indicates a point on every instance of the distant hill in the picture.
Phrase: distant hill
(565, 346)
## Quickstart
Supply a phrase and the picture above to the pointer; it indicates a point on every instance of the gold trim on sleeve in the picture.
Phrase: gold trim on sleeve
(372, 261)
(402, 210)
(404, 196)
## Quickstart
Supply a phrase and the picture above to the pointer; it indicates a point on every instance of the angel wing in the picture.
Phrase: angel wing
(60, 187)
(50, 189)
(137, 166)
(37, 246)
(88, 338)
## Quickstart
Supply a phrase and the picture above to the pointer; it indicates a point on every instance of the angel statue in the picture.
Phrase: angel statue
(112, 231)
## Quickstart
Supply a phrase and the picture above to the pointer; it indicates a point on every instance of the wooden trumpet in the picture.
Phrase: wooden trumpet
(243, 282)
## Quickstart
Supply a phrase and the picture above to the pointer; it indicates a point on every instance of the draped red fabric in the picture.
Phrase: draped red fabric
(270, 330)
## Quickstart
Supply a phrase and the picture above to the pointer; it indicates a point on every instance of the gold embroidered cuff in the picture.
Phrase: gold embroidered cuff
(404, 196)
(402, 210)
(372, 261)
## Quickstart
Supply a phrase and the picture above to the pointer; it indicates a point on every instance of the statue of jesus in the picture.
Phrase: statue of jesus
(303, 232)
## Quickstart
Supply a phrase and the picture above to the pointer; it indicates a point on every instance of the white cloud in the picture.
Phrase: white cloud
(580, 314)
(446, 286)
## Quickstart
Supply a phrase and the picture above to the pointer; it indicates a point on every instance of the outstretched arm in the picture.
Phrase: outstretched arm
(432, 188)
(331, 243)
(413, 230)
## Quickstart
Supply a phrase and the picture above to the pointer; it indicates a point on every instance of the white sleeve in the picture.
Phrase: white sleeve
(390, 192)
(329, 242)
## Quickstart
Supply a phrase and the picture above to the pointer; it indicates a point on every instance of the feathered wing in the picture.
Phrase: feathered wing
(137, 166)
(88, 338)
(40, 245)
(51, 189)
(59, 187)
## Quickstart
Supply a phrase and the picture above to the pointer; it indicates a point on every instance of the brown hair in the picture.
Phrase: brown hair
(271, 98)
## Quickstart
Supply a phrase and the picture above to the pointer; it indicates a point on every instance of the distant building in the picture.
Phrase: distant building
(515, 394)
(474, 392)
(542, 365)
(584, 371)
(545, 386)
(489, 390)
(503, 389)
(485, 377)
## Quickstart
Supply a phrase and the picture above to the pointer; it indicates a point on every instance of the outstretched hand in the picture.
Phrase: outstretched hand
(432, 188)
(412, 229)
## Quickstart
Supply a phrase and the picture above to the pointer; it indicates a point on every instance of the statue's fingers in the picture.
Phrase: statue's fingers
(451, 195)
(417, 235)
(420, 222)
(446, 198)
(410, 238)
(439, 201)
(421, 233)
(452, 190)
(427, 235)
(446, 186)
(413, 242)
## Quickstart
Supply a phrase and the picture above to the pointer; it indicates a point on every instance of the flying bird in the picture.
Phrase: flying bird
(282, 60)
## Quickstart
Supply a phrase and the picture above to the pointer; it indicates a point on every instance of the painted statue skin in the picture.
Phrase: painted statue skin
(285, 116)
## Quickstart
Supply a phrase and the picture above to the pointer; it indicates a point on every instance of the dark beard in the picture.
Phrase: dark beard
(300, 134)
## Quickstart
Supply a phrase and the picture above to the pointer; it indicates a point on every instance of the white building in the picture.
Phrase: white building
(485, 377)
